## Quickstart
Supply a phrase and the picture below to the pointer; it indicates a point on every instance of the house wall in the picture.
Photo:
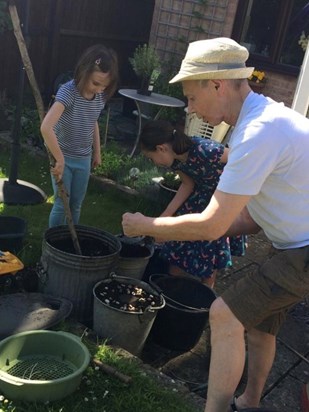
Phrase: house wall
(177, 22)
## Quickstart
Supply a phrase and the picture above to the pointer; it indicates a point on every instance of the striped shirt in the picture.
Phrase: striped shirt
(75, 128)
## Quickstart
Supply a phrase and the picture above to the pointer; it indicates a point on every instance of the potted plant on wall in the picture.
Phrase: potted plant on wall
(146, 65)
(257, 80)
(170, 182)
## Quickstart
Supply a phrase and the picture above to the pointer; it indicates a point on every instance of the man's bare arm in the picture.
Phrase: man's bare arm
(211, 224)
(243, 225)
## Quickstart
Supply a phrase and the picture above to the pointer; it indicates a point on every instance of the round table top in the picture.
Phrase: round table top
(154, 98)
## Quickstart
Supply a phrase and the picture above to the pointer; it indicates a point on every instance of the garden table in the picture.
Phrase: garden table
(157, 99)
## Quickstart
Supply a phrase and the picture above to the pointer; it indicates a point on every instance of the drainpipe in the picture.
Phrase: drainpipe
(301, 96)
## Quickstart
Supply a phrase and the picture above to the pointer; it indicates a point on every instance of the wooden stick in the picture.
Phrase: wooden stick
(40, 106)
(110, 370)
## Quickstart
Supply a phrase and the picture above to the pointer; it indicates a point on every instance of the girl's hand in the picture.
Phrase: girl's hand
(96, 160)
(57, 170)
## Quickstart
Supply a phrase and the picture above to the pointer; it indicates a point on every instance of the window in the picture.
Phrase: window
(271, 30)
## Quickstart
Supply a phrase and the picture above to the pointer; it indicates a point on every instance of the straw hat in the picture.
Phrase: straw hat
(220, 58)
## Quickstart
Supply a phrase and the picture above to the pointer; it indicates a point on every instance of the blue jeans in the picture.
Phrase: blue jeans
(75, 179)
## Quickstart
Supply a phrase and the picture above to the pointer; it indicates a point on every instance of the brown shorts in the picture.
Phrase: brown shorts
(261, 299)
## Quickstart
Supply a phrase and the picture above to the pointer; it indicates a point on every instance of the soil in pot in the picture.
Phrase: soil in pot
(133, 251)
(126, 297)
(89, 247)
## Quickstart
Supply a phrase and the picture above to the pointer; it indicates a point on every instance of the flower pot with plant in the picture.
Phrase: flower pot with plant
(257, 80)
(146, 65)
(170, 182)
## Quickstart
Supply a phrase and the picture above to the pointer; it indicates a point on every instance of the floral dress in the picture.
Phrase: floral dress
(201, 258)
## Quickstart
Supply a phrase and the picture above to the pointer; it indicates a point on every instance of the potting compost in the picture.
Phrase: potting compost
(89, 247)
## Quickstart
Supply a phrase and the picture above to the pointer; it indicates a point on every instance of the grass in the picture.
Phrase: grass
(98, 392)
(102, 208)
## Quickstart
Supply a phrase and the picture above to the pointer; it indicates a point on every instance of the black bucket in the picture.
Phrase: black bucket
(12, 233)
(180, 324)
(73, 276)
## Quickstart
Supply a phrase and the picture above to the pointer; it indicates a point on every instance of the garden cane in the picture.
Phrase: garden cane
(40, 106)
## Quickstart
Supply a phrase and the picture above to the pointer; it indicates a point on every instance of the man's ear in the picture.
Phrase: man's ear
(216, 84)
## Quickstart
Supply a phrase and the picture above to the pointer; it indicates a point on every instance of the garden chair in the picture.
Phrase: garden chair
(194, 126)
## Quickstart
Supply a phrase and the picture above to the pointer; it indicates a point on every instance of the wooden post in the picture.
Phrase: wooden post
(40, 106)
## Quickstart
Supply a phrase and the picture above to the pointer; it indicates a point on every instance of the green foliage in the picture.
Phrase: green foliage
(197, 14)
(30, 125)
(171, 180)
(112, 164)
(145, 60)
(198, 29)
(169, 70)
(118, 166)
(5, 20)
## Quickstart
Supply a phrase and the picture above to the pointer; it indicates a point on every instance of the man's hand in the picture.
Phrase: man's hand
(131, 224)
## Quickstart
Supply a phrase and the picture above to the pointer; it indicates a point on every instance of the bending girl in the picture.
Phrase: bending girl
(199, 163)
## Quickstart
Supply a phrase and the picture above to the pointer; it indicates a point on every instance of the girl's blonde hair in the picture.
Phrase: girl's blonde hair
(97, 58)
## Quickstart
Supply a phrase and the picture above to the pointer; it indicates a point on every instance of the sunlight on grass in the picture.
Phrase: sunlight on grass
(102, 208)
(103, 392)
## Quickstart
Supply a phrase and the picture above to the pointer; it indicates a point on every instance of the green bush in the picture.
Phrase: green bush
(119, 166)
(145, 60)
(111, 165)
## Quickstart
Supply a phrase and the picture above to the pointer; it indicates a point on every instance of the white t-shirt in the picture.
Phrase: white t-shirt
(269, 160)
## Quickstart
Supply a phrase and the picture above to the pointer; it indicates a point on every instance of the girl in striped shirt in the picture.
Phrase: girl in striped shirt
(70, 128)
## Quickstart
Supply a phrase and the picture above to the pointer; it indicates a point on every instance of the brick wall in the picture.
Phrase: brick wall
(178, 22)
(280, 87)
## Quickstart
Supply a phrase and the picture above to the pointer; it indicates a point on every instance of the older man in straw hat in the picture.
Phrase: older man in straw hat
(265, 185)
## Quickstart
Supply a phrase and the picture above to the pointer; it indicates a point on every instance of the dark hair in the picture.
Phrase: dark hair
(158, 132)
(97, 58)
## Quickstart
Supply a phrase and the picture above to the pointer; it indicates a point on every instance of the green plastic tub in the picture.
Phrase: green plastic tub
(41, 366)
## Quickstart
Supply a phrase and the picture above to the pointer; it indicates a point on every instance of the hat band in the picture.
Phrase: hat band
(212, 66)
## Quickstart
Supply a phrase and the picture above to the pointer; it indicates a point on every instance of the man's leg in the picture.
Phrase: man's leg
(227, 357)
(261, 354)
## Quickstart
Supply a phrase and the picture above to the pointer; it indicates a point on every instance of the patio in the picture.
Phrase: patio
(290, 371)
